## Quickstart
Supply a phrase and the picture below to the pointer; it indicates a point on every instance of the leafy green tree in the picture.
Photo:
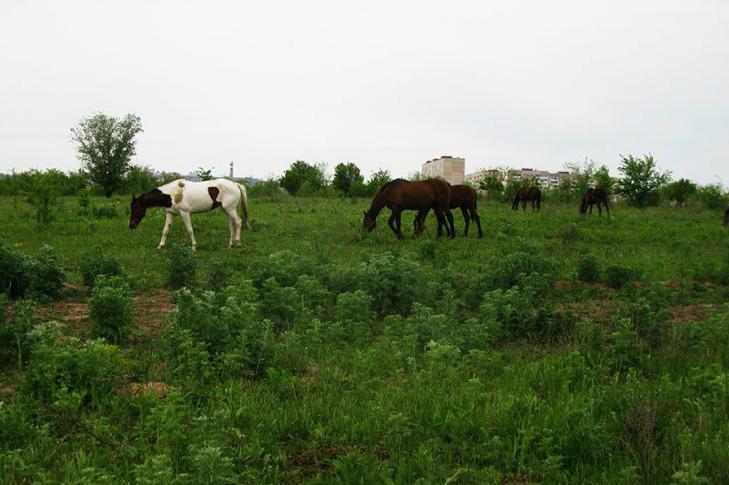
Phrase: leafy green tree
(603, 180)
(680, 191)
(641, 180)
(139, 179)
(204, 174)
(377, 180)
(300, 173)
(42, 190)
(711, 196)
(491, 182)
(346, 177)
(105, 146)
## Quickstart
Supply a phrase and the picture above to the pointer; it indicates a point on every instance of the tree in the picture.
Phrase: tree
(204, 174)
(139, 179)
(41, 190)
(603, 180)
(304, 174)
(105, 146)
(680, 190)
(641, 180)
(346, 177)
(491, 181)
(377, 180)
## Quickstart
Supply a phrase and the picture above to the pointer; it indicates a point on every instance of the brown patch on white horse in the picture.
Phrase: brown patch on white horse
(214, 192)
(179, 191)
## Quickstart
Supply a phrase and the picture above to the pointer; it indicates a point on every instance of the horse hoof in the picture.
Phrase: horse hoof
(160, 246)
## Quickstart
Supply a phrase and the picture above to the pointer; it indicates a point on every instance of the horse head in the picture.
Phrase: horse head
(368, 223)
(137, 212)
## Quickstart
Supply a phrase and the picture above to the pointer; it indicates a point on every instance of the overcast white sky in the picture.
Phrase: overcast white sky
(382, 83)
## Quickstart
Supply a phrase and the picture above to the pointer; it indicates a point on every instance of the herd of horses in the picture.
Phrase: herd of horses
(182, 198)
(401, 195)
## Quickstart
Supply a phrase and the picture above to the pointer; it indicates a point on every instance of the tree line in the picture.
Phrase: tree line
(106, 145)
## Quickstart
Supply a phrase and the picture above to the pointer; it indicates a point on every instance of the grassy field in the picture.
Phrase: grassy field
(556, 349)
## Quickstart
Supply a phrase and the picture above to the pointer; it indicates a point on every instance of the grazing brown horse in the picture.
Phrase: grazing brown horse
(400, 195)
(525, 195)
(595, 197)
(726, 218)
(463, 197)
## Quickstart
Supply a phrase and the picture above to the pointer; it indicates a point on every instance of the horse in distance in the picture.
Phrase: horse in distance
(463, 197)
(593, 197)
(182, 198)
(528, 194)
(400, 195)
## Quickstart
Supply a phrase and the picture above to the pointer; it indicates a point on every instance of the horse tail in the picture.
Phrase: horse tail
(244, 205)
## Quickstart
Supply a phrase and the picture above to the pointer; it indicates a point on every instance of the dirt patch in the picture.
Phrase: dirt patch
(600, 311)
(319, 457)
(692, 313)
(151, 313)
(155, 389)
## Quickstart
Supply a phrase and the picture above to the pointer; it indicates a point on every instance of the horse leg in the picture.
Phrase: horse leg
(466, 220)
(449, 216)
(419, 222)
(475, 217)
(165, 230)
(441, 220)
(398, 223)
(188, 225)
(599, 209)
(235, 223)
(391, 222)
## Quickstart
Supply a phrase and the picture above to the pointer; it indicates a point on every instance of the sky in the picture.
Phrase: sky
(385, 84)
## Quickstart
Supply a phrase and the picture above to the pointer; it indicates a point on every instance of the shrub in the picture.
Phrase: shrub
(265, 188)
(617, 276)
(14, 342)
(97, 264)
(507, 271)
(22, 275)
(104, 212)
(394, 282)
(354, 311)
(285, 266)
(710, 197)
(181, 266)
(58, 366)
(110, 309)
(588, 268)
(218, 274)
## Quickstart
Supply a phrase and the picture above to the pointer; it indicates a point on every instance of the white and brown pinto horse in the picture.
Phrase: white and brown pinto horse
(182, 198)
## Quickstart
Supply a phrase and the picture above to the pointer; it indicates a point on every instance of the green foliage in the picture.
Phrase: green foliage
(62, 368)
(110, 309)
(617, 276)
(204, 174)
(588, 268)
(42, 191)
(377, 180)
(22, 275)
(265, 188)
(105, 146)
(641, 180)
(181, 266)
(347, 177)
(303, 178)
(139, 179)
(395, 282)
(679, 191)
(96, 264)
(710, 197)
(14, 331)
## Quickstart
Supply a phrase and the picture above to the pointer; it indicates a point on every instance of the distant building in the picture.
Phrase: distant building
(544, 178)
(451, 169)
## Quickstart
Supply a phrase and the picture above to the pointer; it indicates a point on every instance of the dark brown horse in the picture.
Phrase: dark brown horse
(525, 195)
(726, 218)
(595, 197)
(400, 195)
(463, 197)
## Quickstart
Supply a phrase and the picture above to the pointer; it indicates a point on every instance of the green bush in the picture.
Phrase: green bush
(588, 269)
(97, 264)
(181, 266)
(104, 212)
(218, 274)
(90, 370)
(394, 282)
(26, 276)
(110, 309)
(710, 197)
(617, 276)
(14, 331)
